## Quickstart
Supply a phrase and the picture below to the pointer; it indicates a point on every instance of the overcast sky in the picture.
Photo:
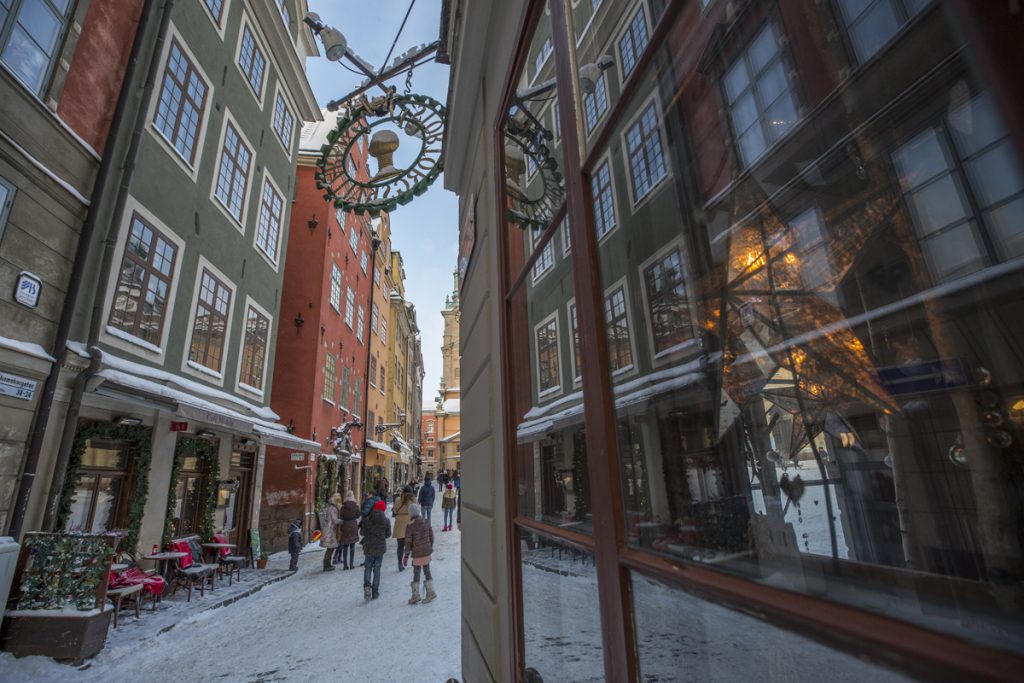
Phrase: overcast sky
(425, 231)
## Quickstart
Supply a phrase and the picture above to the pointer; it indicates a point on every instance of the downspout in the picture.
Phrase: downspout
(36, 438)
(96, 320)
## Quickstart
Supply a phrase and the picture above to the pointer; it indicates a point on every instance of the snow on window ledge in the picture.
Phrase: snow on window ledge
(202, 369)
(249, 389)
(132, 339)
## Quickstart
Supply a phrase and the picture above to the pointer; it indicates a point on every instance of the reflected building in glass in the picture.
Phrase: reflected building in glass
(757, 268)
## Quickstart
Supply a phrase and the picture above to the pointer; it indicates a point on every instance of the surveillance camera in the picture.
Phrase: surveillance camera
(334, 42)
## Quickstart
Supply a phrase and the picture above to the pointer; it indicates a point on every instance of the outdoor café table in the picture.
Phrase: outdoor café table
(163, 558)
(119, 567)
(214, 548)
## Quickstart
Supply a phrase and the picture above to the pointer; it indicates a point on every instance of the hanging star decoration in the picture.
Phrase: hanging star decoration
(386, 121)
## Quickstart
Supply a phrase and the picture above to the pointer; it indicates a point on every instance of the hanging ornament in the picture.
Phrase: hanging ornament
(419, 119)
(999, 438)
(958, 454)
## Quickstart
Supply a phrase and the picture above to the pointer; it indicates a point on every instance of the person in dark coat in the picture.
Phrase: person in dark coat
(419, 539)
(295, 543)
(349, 530)
(376, 531)
(426, 497)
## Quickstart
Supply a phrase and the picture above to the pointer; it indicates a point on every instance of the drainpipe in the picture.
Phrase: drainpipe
(96, 321)
(100, 187)
(375, 243)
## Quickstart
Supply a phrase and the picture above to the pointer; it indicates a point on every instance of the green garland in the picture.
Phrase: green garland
(212, 477)
(141, 437)
(64, 570)
(205, 450)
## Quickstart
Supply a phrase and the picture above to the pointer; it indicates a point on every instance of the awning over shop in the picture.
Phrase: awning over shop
(380, 446)
(275, 437)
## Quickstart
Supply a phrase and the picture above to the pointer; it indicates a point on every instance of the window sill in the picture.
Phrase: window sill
(203, 370)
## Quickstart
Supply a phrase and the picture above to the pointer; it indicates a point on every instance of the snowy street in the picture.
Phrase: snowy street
(312, 626)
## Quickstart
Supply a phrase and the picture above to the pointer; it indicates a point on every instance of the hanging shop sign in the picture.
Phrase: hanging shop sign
(534, 185)
(388, 122)
(18, 387)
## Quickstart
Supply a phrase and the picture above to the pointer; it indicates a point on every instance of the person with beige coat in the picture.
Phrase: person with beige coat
(330, 526)
(400, 511)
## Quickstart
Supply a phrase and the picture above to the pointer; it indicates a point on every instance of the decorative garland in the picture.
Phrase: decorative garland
(64, 570)
(212, 486)
(172, 495)
(141, 437)
(205, 450)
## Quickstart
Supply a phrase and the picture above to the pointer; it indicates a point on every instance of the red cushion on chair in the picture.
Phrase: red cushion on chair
(221, 538)
(182, 547)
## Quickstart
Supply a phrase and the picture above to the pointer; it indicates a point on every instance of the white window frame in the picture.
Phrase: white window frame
(350, 304)
(191, 170)
(624, 27)
(383, 330)
(240, 386)
(364, 261)
(239, 223)
(374, 318)
(207, 375)
(577, 373)
(141, 348)
(636, 202)
(549, 248)
(566, 236)
(273, 260)
(218, 24)
(335, 288)
(5, 206)
(557, 389)
(588, 130)
(260, 45)
(361, 324)
(611, 184)
(623, 284)
(670, 354)
(353, 241)
(334, 382)
(288, 146)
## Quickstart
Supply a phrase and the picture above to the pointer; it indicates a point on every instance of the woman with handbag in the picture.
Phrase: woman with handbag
(400, 511)
(330, 521)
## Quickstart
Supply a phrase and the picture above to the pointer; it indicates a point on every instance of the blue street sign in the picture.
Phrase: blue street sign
(932, 375)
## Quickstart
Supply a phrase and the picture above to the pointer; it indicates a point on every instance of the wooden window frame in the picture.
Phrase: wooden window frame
(150, 273)
(250, 342)
(235, 170)
(270, 222)
(330, 377)
(210, 308)
(249, 70)
(184, 97)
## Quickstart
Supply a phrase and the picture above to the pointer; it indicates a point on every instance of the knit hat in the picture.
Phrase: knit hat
(380, 505)
(350, 496)
(448, 486)
(415, 510)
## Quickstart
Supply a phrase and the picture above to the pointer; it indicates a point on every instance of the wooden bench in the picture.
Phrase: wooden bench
(118, 595)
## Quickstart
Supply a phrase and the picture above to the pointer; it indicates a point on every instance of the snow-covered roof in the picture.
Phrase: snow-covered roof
(380, 446)
(68, 187)
(453, 437)
(314, 134)
(27, 348)
(451, 405)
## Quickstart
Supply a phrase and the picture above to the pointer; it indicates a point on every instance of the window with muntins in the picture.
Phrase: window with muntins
(210, 324)
(339, 216)
(633, 41)
(30, 33)
(383, 331)
(284, 121)
(252, 61)
(372, 372)
(870, 25)
(546, 259)
(216, 8)
(374, 317)
(542, 55)
(364, 261)
(666, 302)
(330, 379)
(595, 104)
(233, 174)
(346, 386)
(548, 377)
(144, 283)
(353, 240)
(335, 287)
(646, 157)
(574, 328)
(620, 354)
(350, 304)
(604, 200)
(268, 230)
(254, 348)
(762, 105)
(179, 111)
(361, 325)
(6, 200)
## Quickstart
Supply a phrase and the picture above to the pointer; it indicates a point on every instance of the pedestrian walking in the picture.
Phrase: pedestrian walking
(400, 511)
(295, 543)
(376, 531)
(448, 506)
(419, 539)
(349, 530)
(330, 527)
(426, 497)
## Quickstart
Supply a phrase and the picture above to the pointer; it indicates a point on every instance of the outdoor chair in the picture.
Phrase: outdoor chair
(190, 570)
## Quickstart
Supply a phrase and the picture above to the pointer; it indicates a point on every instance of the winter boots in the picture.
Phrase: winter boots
(415, 585)
(430, 591)
(367, 593)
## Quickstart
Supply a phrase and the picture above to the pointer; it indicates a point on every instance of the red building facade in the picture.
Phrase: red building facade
(319, 376)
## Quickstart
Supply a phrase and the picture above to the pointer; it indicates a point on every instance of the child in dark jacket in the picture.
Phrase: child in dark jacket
(419, 542)
(295, 543)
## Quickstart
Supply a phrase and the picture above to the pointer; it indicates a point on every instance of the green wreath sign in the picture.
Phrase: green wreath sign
(141, 438)
(420, 118)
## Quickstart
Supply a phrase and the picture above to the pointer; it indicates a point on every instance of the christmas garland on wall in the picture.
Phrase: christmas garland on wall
(205, 450)
(212, 487)
(141, 437)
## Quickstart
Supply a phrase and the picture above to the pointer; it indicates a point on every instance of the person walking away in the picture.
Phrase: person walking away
(349, 530)
(295, 543)
(426, 498)
(419, 539)
(376, 531)
(400, 511)
(448, 506)
(330, 527)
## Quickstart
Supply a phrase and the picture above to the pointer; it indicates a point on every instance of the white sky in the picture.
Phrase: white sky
(425, 231)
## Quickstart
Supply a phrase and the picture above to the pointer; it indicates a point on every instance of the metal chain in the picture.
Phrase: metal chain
(408, 81)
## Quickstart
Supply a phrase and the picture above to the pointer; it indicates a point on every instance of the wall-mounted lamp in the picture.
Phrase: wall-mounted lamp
(299, 320)
(127, 421)
(205, 434)
(291, 426)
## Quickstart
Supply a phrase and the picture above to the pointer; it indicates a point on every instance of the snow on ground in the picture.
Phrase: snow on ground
(313, 626)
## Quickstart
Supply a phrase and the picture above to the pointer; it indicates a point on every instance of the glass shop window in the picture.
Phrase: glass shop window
(100, 501)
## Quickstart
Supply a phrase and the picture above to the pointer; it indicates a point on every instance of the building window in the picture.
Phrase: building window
(147, 271)
(284, 122)
(353, 241)
(760, 98)
(339, 216)
(233, 175)
(364, 261)
(286, 16)
(546, 341)
(254, 349)
(646, 158)
(6, 200)
(30, 32)
(374, 317)
(595, 104)
(545, 260)
(372, 373)
(948, 169)
(179, 111)
(556, 124)
(383, 331)
(361, 325)
(542, 55)
(566, 237)
(604, 199)
(574, 326)
(370, 418)
(871, 24)
(330, 377)
(376, 276)
(100, 499)
(216, 8)
(350, 304)
(633, 41)
(383, 377)
(357, 396)
(268, 229)
(252, 61)
(335, 297)
(620, 353)
(209, 327)
(346, 387)
(667, 307)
